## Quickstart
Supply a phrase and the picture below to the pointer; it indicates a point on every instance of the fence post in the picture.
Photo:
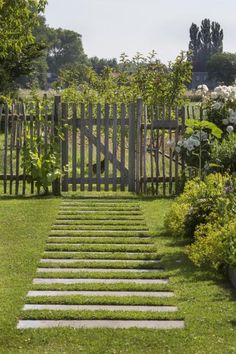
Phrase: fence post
(138, 142)
(56, 185)
(183, 121)
(132, 135)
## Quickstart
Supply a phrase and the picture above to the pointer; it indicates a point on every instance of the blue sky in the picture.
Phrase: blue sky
(110, 27)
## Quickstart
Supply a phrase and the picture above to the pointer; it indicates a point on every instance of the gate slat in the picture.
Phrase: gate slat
(98, 154)
(12, 144)
(6, 147)
(18, 137)
(163, 154)
(138, 143)
(132, 134)
(31, 139)
(107, 112)
(65, 147)
(122, 147)
(114, 147)
(144, 153)
(90, 148)
(74, 147)
(152, 165)
(171, 162)
(157, 160)
(24, 126)
(177, 156)
(82, 143)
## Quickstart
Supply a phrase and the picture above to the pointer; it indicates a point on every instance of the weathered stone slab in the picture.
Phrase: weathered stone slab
(98, 281)
(100, 244)
(30, 307)
(100, 252)
(159, 324)
(36, 293)
(96, 270)
(62, 260)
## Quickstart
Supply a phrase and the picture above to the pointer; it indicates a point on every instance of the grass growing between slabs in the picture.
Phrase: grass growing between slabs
(206, 303)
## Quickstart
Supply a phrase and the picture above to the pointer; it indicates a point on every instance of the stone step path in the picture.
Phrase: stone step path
(100, 269)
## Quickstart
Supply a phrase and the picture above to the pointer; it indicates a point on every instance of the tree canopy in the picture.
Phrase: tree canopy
(18, 47)
(222, 68)
(205, 42)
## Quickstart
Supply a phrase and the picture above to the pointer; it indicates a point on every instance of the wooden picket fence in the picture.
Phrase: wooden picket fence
(110, 147)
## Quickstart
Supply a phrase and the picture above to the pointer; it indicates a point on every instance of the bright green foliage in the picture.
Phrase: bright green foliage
(100, 64)
(215, 245)
(202, 201)
(141, 76)
(17, 20)
(224, 154)
(40, 162)
(18, 47)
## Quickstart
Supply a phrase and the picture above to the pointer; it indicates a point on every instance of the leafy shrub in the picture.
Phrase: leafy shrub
(201, 202)
(40, 162)
(224, 154)
(214, 246)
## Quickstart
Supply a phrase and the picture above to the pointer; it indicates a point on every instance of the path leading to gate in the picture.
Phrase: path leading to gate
(100, 269)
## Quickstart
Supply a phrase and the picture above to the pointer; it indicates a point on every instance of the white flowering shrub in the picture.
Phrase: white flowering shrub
(220, 107)
(196, 145)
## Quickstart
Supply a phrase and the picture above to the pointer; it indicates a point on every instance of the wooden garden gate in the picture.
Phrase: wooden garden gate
(99, 147)
(118, 147)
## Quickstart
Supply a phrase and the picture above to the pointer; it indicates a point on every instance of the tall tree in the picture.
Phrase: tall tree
(18, 47)
(100, 64)
(222, 68)
(204, 42)
(65, 48)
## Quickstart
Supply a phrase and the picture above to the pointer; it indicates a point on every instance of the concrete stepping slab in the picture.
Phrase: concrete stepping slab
(115, 324)
(97, 230)
(98, 281)
(100, 244)
(101, 252)
(85, 236)
(94, 228)
(30, 307)
(37, 293)
(96, 270)
(99, 202)
(64, 260)
(105, 212)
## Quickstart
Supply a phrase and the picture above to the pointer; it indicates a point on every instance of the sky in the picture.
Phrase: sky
(111, 27)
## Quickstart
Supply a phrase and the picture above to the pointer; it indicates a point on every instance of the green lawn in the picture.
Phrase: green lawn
(206, 302)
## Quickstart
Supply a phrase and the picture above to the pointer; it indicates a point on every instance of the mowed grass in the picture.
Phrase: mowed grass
(205, 301)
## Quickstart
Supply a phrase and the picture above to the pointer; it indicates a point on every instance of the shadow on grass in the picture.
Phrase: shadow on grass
(178, 263)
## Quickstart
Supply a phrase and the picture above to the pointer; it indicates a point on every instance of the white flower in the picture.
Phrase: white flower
(190, 148)
(202, 90)
(232, 117)
(214, 95)
(217, 105)
(178, 149)
(197, 143)
(225, 121)
(230, 129)
(233, 95)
